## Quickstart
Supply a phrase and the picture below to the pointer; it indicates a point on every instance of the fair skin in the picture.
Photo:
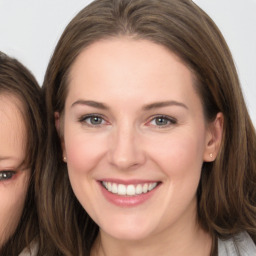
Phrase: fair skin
(13, 176)
(135, 138)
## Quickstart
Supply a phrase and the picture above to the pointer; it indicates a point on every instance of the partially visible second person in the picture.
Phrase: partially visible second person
(21, 133)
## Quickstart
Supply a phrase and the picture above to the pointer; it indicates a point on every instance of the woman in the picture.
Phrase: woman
(150, 148)
(21, 140)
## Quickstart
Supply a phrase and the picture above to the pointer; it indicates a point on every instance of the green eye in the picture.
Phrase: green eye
(6, 175)
(94, 120)
(162, 121)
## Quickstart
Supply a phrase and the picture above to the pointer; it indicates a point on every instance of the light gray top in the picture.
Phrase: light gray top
(239, 245)
(32, 251)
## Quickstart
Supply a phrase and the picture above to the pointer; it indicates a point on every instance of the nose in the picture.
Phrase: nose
(126, 150)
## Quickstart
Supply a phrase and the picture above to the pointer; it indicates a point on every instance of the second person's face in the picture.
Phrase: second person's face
(14, 179)
(135, 138)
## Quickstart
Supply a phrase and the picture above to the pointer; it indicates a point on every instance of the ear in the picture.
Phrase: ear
(214, 138)
(59, 129)
(57, 122)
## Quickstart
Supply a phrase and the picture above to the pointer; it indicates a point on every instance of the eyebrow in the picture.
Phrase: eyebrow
(164, 104)
(90, 103)
(3, 158)
(151, 106)
(6, 158)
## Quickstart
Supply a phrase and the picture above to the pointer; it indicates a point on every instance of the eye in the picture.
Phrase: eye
(93, 120)
(162, 121)
(6, 175)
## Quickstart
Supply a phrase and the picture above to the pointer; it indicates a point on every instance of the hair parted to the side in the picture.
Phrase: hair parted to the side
(227, 190)
(17, 81)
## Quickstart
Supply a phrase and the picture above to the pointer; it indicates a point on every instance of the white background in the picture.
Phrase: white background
(29, 31)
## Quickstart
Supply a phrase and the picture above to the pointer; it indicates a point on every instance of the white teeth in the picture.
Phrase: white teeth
(109, 186)
(154, 185)
(151, 186)
(114, 188)
(139, 189)
(145, 188)
(129, 190)
(121, 189)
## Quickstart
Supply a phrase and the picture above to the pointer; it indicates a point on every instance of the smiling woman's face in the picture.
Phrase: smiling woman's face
(13, 177)
(135, 138)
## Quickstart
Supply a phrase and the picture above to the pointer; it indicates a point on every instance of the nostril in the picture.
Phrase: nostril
(125, 152)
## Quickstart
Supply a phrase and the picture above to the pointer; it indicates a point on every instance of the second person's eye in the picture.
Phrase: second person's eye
(6, 175)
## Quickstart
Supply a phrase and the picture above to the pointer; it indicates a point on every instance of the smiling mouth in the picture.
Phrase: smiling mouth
(130, 189)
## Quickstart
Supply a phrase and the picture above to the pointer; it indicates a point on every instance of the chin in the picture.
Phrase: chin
(127, 232)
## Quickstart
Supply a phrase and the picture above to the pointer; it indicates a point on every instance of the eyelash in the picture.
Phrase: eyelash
(84, 119)
(6, 175)
(168, 119)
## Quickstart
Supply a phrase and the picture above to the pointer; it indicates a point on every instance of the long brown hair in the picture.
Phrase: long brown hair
(227, 190)
(16, 80)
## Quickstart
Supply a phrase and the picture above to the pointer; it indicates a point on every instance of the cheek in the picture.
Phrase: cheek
(180, 153)
(180, 158)
(12, 201)
(83, 151)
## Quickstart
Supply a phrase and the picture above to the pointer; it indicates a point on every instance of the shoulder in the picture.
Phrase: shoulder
(31, 251)
(238, 245)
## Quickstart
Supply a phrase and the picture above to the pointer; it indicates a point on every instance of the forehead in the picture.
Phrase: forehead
(129, 68)
(128, 54)
(11, 104)
(12, 126)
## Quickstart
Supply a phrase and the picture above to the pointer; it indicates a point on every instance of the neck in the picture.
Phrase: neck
(192, 241)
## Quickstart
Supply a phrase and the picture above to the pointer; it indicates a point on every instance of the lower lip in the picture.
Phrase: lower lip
(127, 201)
